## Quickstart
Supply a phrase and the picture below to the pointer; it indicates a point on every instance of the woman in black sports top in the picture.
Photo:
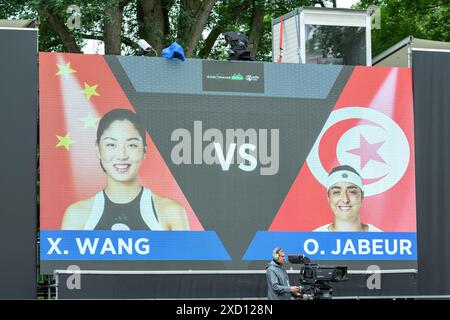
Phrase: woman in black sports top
(124, 204)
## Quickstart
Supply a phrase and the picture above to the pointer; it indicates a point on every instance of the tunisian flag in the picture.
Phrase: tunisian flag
(76, 90)
(371, 128)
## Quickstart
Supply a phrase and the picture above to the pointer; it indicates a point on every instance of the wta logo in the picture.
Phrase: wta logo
(365, 139)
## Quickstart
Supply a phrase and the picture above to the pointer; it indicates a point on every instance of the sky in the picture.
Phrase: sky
(97, 47)
(345, 3)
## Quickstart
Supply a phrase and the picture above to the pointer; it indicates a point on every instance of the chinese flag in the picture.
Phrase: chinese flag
(76, 90)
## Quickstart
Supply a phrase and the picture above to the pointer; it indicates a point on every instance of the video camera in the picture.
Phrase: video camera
(314, 278)
(238, 46)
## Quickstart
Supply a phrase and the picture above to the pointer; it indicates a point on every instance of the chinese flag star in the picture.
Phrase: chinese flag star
(90, 121)
(65, 141)
(64, 69)
(90, 91)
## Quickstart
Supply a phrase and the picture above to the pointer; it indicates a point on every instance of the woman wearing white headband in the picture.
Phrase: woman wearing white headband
(345, 194)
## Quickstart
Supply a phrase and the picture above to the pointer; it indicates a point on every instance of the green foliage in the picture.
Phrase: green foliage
(227, 15)
(238, 18)
(423, 19)
(426, 19)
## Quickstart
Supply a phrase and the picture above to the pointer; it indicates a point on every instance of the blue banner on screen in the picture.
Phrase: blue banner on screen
(131, 245)
(336, 246)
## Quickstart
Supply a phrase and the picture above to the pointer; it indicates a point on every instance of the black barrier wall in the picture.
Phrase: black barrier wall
(18, 138)
(219, 286)
(431, 83)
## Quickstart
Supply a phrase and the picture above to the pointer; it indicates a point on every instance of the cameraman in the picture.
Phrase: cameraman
(278, 287)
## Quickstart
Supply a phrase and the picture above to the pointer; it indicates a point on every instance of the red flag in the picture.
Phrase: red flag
(371, 128)
(75, 91)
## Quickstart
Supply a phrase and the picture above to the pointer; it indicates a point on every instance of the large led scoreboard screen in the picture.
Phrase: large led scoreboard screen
(153, 164)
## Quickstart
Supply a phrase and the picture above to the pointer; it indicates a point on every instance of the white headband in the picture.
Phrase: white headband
(344, 176)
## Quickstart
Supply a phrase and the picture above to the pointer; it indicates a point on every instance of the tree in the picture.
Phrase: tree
(117, 22)
(252, 17)
(197, 25)
(194, 24)
(424, 19)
